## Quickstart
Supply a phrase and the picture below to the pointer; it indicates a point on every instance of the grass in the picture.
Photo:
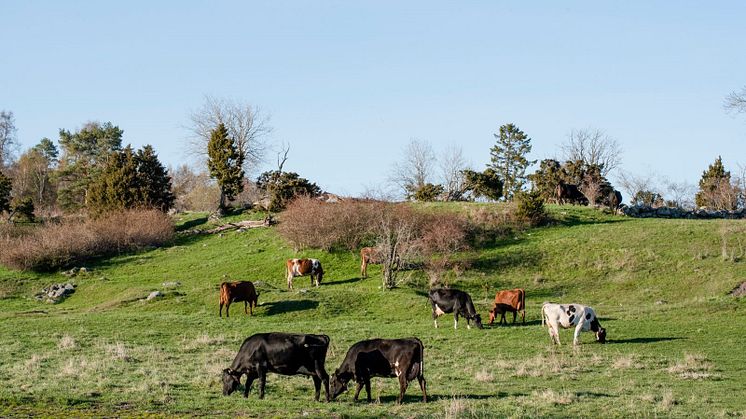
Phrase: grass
(659, 286)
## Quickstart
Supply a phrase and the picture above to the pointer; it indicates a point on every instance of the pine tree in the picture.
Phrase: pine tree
(116, 186)
(715, 190)
(5, 188)
(225, 163)
(154, 183)
(486, 184)
(509, 158)
(546, 179)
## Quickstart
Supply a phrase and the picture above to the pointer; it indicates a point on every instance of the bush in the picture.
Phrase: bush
(55, 246)
(308, 222)
(531, 208)
(23, 209)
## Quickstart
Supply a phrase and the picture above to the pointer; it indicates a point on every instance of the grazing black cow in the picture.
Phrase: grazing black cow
(453, 301)
(569, 193)
(280, 353)
(402, 358)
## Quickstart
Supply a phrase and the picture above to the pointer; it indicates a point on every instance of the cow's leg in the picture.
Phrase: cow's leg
(262, 381)
(367, 387)
(227, 307)
(252, 304)
(290, 280)
(554, 332)
(321, 373)
(250, 377)
(423, 386)
(220, 312)
(363, 269)
(435, 315)
(245, 307)
(316, 386)
(523, 315)
(403, 383)
(578, 329)
(502, 318)
(515, 313)
(357, 389)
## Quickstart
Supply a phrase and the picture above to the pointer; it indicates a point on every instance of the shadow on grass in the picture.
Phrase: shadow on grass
(289, 306)
(516, 324)
(416, 396)
(345, 281)
(506, 260)
(644, 340)
(192, 224)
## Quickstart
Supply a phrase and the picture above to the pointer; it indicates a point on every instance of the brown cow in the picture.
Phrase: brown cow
(509, 301)
(233, 292)
(302, 267)
(368, 255)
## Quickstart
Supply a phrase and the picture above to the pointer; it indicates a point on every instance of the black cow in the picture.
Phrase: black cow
(456, 302)
(402, 358)
(569, 193)
(281, 353)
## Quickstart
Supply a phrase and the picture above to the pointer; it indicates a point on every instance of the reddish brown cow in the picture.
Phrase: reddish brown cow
(233, 292)
(302, 267)
(509, 301)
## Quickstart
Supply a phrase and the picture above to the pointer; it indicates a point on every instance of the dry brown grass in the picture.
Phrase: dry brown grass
(693, 367)
(56, 246)
(67, 342)
(553, 397)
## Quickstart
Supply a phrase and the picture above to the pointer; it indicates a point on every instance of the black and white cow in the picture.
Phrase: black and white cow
(449, 300)
(402, 358)
(280, 353)
(302, 267)
(568, 315)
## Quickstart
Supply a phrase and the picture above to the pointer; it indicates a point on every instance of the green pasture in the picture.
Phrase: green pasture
(676, 338)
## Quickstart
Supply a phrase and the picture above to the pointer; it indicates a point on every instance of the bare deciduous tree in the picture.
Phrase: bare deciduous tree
(452, 164)
(245, 123)
(7, 137)
(416, 168)
(396, 231)
(633, 183)
(593, 146)
(736, 101)
(680, 194)
(591, 188)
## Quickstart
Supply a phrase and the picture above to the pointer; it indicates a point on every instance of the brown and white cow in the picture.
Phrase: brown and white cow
(303, 267)
(509, 301)
(368, 255)
(569, 315)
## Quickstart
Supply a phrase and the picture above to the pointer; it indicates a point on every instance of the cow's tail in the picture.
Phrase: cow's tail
(422, 357)
(543, 313)
(523, 301)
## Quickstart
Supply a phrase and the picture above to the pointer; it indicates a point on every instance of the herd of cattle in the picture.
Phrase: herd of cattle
(305, 354)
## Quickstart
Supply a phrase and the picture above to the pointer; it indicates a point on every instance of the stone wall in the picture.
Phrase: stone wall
(638, 211)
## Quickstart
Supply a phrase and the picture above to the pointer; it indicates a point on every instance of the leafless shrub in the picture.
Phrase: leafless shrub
(443, 236)
(591, 189)
(484, 376)
(593, 146)
(346, 224)
(55, 246)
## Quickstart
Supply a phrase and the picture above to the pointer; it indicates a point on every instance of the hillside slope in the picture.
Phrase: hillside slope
(659, 286)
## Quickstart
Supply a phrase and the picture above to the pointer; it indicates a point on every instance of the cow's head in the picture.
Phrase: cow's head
(231, 380)
(338, 383)
(601, 335)
(492, 315)
(478, 321)
(600, 331)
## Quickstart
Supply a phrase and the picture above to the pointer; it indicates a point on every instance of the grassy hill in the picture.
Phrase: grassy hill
(659, 286)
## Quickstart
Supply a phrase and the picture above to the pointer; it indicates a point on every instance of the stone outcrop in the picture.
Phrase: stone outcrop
(639, 211)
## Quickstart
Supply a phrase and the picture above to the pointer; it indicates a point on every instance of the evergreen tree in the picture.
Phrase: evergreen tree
(509, 158)
(116, 185)
(487, 184)
(282, 187)
(84, 153)
(154, 183)
(546, 178)
(224, 163)
(428, 192)
(715, 190)
(5, 188)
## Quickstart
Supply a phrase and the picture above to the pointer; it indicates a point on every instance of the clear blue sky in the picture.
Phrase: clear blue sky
(347, 84)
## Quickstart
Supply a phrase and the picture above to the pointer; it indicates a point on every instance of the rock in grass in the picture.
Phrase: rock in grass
(154, 295)
(55, 293)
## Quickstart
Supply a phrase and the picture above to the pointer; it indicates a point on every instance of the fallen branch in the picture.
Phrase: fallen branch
(240, 225)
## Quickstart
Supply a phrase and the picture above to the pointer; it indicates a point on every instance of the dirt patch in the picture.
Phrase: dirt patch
(739, 291)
